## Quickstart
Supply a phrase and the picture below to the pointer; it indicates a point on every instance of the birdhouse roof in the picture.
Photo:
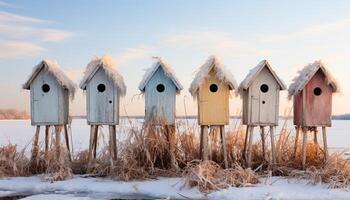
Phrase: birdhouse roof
(305, 75)
(221, 73)
(106, 63)
(52, 68)
(253, 73)
(160, 62)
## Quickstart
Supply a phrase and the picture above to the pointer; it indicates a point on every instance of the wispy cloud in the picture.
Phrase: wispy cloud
(14, 49)
(313, 30)
(5, 4)
(212, 42)
(130, 54)
(24, 36)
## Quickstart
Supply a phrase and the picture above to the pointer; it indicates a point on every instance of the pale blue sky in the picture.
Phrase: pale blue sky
(288, 34)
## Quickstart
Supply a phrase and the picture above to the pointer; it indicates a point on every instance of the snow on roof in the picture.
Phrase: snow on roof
(222, 73)
(54, 69)
(255, 71)
(160, 62)
(105, 62)
(305, 75)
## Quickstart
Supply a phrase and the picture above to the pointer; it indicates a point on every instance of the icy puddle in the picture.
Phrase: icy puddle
(36, 187)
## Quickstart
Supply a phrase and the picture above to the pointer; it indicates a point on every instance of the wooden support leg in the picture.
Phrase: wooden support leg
(90, 142)
(324, 134)
(273, 151)
(315, 139)
(113, 143)
(95, 141)
(205, 142)
(35, 148)
(250, 142)
(304, 147)
(297, 133)
(47, 140)
(171, 138)
(201, 143)
(58, 130)
(262, 133)
(67, 142)
(244, 156)
(223, 145)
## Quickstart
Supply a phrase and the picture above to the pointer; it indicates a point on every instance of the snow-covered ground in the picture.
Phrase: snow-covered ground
(172, 188)
(21, 132)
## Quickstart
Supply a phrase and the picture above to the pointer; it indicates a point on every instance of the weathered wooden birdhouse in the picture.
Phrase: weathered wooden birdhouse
(260, 92)
(160, 87)
(312, 91)
(50, 90)
(211, 86)
(104, 86)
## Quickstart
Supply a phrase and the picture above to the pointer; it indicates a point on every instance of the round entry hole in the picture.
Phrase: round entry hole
(264, 88)
(160, 88)
(263, 102)
(45, 88)
(101, 87)
(110, 101)
(317, 91)
(213, 88)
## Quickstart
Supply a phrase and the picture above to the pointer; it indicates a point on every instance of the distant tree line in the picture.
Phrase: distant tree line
(13, 114)
(341, 117)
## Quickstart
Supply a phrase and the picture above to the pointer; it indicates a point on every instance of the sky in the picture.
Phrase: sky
(289, 34)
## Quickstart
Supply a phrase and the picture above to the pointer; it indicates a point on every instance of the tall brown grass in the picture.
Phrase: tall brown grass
(145, 154)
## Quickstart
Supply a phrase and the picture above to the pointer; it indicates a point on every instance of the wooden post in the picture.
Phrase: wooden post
(272, 135)
(304, 147)
(171, 137)
(92, 145)
(90, 142)
(58, 129)
(47, 140)
(95, 141)
(205, 132)
(315, 140)
(35, 148)
(201, 143)
(325, 147)
(67, 142)
(262, 133)
(223, 145)
(112, 143)
(250, 142)
(244, 156)
(298, 129)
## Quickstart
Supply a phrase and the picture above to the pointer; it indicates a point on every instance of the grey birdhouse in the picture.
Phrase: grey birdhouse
(104, 86)
(160, 87)
(50, 90)
(260, 91)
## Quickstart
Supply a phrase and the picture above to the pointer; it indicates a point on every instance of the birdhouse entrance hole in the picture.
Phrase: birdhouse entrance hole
(101, 87)
(213, 88)
(317, 91)
(160, 87)
(45, 88)
(264, 88)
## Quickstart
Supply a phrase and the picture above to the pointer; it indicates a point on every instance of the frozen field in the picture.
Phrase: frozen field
(21, 132)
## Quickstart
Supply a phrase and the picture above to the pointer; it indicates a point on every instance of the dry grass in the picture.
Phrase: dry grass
(146, 154)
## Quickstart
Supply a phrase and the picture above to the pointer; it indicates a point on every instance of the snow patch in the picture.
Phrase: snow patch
(222, 73)
(305, 74)
(160, 62)
(54, 69)
(106, 62)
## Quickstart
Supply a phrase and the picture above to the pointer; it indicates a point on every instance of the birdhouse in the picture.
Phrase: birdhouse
(160, 87)
(312, 91)
(260, 92)
(50, 90)
(104, 86)
(211, 86)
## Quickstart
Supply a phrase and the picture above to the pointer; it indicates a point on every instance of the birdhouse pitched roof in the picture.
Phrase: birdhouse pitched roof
(253, 73)
(305, 75)
(160, 62)
(222, 73)
(105, 62)
(54, 69)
